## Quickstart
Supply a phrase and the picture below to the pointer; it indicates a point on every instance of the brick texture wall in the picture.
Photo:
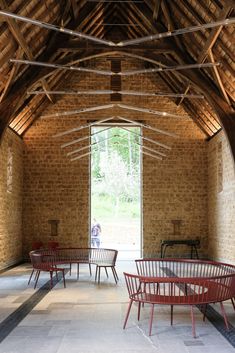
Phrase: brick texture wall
(11, 200)
(221, 200)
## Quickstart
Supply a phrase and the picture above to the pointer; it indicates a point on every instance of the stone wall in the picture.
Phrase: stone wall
(176, 189)
(11, 182)
(221, 200)
(56, 189)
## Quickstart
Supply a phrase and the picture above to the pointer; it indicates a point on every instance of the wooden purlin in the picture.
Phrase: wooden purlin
(19, 88)
(214, 34)
(218, 109)
(171, 26)
(218, 78)
(10, 79)
(157, 4)
(22, 43)
(89, 13)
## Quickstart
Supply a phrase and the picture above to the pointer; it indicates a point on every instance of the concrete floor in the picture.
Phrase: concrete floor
(88, 318)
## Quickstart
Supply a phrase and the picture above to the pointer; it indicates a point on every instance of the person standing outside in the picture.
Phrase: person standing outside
(95, 234)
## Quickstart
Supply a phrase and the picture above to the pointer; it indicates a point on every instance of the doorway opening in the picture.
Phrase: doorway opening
(116, 190)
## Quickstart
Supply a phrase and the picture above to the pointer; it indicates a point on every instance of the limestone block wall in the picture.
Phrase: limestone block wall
(176, 189)
(56, 189)
(11, 186)
(221, 200)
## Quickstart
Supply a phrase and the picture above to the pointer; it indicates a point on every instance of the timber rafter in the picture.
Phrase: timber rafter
(104, 20)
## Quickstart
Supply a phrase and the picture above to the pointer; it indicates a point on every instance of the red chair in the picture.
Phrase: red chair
(171, 291)
(53, 244)
(45, 260)
(37, 244)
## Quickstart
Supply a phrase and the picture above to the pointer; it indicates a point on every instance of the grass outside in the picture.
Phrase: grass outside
(122, 230)
(103, 208)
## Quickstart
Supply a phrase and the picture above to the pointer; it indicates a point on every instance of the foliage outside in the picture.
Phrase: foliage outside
(115, 173)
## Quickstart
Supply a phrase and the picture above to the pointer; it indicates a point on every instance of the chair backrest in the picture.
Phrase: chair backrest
(37, 244)
(70, 255)
(87, 255)
(104, 256)
(183, 268)
(43, 259)
(175, 290)
(212, 281)
(53, 244)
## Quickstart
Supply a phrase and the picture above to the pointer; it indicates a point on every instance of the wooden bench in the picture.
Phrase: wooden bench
(51, 260)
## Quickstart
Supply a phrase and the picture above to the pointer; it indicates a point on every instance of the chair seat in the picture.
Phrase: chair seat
(104, 264)
(210, 293)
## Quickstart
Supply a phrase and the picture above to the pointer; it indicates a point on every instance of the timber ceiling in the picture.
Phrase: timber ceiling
(119, 21)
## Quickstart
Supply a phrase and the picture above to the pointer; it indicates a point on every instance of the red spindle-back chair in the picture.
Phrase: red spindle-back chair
(37, 244)
(53, 244)
(45, 260)
(180, 282)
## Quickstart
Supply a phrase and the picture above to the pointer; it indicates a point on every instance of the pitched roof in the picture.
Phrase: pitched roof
(102, 22)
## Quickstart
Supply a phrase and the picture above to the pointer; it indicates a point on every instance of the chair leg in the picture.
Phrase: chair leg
(99, 274)
(127, 314)
(186, 289)
(204, 312)
(151, 320)
(193, 322)
(63, 278)
(232, 300)
(90, 269)
(171, 315)
(139, 307)
(114, 274)
(51, 279)
(106, 272)
(30, 276)
(70, 269)
(224, 315)
(96, 271)
(78, 271)
(36, 278)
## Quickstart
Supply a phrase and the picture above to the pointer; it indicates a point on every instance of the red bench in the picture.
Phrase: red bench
(53, 260)
(180, 282)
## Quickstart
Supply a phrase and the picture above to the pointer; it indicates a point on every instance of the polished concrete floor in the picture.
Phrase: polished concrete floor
(87, 318)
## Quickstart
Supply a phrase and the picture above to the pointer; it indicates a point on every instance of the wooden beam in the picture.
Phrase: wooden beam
(145, 16)
(74, 45)
(171, 26)
(223, 110)
(15, 30)
(218, 78)
(157, 4)
(188, 107)
(214, 34)
(210, 42)
(11, 76)
(74, 8)
(18, 91)
(133, 18)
